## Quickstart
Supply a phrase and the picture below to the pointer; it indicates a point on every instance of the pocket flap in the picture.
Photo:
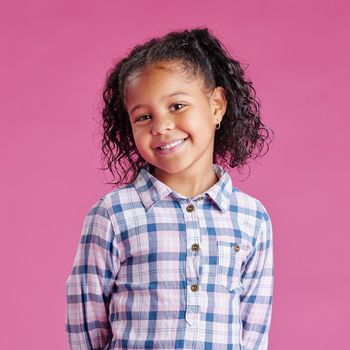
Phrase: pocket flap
(239, 250)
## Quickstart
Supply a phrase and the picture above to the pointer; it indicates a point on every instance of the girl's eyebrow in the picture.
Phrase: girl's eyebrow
(175, 93)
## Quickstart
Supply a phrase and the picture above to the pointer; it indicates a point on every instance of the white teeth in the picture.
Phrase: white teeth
(173, 144)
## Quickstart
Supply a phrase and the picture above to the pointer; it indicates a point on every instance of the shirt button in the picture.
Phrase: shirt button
(236, 248)
(195, 247)
(190, 208)
(194, 288)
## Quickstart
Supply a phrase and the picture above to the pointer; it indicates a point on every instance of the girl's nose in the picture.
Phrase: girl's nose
(161, 125)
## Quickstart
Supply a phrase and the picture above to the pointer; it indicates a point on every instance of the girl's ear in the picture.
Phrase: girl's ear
(218, 103)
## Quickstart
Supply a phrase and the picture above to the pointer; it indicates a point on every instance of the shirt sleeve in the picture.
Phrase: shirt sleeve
(256, 298)
(89, 285)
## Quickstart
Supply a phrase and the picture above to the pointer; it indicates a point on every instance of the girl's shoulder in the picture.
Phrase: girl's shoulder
(251, 216)
(115, 204)
(248, 204)
(117, 211)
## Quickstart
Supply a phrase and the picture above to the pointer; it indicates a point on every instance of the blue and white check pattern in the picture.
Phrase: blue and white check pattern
(157, 270)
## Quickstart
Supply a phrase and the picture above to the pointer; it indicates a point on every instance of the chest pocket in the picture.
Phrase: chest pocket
(231, 257)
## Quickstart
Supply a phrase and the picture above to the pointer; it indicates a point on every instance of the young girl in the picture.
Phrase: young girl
(177, 257)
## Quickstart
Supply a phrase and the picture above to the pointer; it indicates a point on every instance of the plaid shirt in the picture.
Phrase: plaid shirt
(157, 270)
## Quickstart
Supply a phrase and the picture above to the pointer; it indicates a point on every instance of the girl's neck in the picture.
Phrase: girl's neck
(188, 183)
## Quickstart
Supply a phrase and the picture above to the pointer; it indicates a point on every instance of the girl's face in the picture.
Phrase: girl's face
(167, 109)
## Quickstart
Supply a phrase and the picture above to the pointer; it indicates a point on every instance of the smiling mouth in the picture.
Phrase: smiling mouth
(171, 145)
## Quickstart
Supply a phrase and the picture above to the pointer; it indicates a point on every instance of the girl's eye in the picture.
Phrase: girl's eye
(142, 116)
(178, 104)
(146, 116)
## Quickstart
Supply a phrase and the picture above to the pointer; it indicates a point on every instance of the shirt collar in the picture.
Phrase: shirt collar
(151, 190)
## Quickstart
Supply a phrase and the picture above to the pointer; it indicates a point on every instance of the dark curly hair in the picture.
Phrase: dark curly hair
(242, 134)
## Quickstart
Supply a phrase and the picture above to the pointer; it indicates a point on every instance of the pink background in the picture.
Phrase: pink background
(54, 58)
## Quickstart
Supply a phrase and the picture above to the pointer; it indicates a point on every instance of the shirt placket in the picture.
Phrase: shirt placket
(193, 261)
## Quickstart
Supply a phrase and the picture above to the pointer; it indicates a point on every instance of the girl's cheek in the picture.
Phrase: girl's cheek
(135, 131)
(191, 125)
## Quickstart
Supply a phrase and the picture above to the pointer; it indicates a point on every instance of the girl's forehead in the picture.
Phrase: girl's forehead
(167, 76)
(170, 68)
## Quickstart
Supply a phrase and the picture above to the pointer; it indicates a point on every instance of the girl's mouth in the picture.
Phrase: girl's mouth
(172, 147)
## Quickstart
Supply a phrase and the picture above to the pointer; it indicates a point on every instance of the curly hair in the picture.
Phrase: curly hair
(242, 134)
